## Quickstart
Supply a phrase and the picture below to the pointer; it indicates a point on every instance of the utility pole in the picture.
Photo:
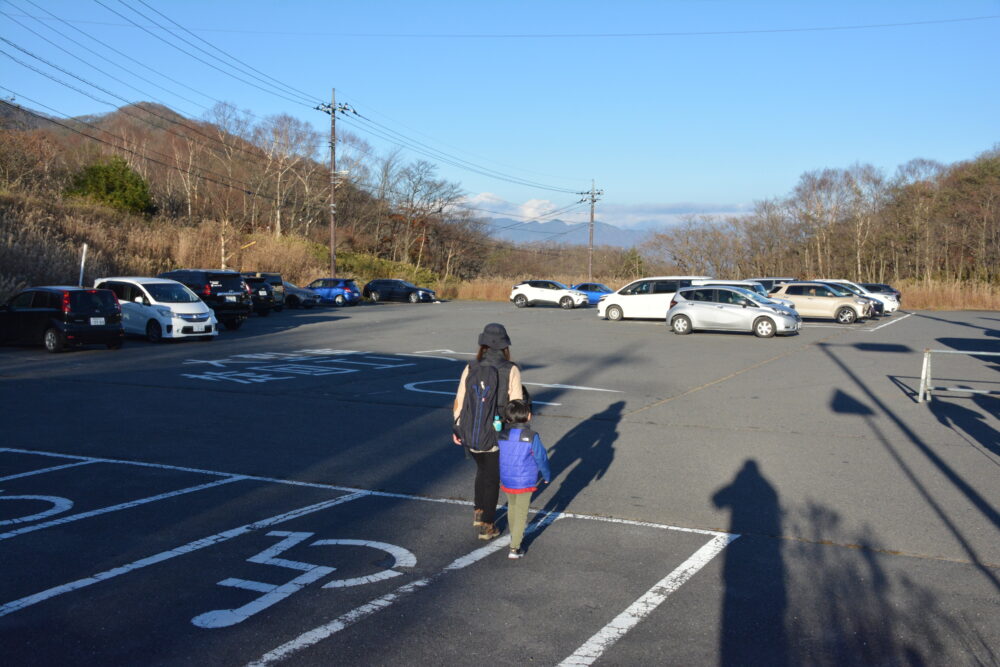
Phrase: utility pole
(593, 195)
(332, 109)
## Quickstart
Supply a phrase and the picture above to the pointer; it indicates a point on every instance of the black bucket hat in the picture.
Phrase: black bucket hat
(494, 336)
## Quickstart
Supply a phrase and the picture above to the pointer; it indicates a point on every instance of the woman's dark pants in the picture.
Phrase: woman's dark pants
(487, 483)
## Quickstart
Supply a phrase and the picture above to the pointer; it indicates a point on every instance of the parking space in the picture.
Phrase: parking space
(145, 557)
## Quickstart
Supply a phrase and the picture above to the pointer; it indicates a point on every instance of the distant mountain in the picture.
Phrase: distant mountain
(557, 231)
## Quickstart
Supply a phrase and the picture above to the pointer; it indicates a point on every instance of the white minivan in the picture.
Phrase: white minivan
(160, 308)
(646, 298)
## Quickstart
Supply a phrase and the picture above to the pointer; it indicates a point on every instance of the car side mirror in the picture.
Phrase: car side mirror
(141, 300)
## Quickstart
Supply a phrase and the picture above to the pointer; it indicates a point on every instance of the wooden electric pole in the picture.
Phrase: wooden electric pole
(593, 196)
(333, 182)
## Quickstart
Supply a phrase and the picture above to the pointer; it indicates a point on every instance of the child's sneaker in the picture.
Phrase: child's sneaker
(477, 518)
(488, 531)
(514, 554)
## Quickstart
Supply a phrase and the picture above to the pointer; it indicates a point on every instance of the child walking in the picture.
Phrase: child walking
(522, 459)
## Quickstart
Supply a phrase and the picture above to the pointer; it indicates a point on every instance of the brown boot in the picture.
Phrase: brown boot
(477, 518)
(488, 531)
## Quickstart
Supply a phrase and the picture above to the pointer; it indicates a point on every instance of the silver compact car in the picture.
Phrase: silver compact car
(713, 307)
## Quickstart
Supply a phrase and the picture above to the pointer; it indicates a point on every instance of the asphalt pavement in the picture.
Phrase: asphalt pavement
(288, 494)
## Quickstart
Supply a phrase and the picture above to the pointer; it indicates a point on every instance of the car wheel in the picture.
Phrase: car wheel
(566, 303)
(414, 297)
(292, 302)
(614, 313)
(154, 332)
(681, 325)
(308, 306)
(520, 301)
(339, 300)
(846, 315)
(54, 341)
(374, 296)
(763, 327)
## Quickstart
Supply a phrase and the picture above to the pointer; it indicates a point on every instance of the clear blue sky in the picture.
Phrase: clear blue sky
(669, 106)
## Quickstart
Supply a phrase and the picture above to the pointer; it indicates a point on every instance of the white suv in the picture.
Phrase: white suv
(159, 308)
(890, 304)
(532, 292)
(646, 298)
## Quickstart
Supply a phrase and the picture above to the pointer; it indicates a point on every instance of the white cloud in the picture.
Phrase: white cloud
(626, 216)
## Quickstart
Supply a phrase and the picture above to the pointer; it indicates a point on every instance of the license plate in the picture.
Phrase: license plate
(199, 327)
(96, 321)
(230, 298)
(263, 292)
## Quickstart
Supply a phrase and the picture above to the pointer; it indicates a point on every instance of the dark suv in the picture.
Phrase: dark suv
(276, 282)
(59, 316)
(261, 294)
(222, 291)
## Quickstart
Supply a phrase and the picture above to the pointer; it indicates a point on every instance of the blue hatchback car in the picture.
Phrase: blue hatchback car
(338, 291)
(594, 291)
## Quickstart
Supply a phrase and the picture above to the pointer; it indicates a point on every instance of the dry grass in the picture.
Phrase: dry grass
(949, 295)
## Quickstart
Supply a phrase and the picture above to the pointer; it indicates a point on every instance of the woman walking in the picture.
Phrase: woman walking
(486, 386)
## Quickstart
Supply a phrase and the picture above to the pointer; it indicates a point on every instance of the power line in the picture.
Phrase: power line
(201, 60)
(621, 35)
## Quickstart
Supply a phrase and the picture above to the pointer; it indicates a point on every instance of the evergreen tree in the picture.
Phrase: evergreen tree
(113, 183)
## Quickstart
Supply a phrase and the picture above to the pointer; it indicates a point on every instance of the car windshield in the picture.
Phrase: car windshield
(91, 300)
(292, 285)
(839, 290)
(559, 284)
(404, 283)
(171, 293)
(350, 284)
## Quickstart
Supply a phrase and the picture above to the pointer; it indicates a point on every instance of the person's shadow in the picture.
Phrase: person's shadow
(754, 602)
(970, 422)
(588, 448)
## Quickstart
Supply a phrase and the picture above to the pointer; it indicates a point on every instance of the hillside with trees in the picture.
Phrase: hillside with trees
(149, 190)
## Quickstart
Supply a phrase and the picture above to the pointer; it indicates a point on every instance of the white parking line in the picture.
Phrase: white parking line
(42, 471)
(209, 541)
(899, 319)
(595, 647)
(115, 508)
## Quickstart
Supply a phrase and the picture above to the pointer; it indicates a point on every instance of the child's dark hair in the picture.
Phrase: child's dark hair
(517, 411)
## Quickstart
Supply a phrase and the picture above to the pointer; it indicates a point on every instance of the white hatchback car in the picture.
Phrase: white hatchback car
(646, 298)
(532, 292)
(160, 308)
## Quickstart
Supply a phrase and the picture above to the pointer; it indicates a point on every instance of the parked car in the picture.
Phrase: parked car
(721, 308)
(60, 316)
(549, 292)
(159, 308)
(222, 291)
(338, 291)
(771, 282)
(646, 298)
(384, 289)
(875, 307)
(890, 304)
(752, 285)
(882, 288)
(594, 291)
(276, 283)
(817, 300)
(261, 295)
(296, 296)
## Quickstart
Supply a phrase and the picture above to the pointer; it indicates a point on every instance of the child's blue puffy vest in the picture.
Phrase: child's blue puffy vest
(518, 469)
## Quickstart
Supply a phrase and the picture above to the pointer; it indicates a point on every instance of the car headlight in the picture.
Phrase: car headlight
(860, 302)
(165, 312)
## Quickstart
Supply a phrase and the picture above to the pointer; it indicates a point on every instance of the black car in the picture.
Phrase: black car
(223, 291)
(277, 284)
(383, 289)
(261, 294)
(60, 316)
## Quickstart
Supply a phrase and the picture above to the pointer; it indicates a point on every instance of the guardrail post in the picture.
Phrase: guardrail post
(924, 376)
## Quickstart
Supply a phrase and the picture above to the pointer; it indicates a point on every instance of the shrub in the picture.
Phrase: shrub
(113, 183)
